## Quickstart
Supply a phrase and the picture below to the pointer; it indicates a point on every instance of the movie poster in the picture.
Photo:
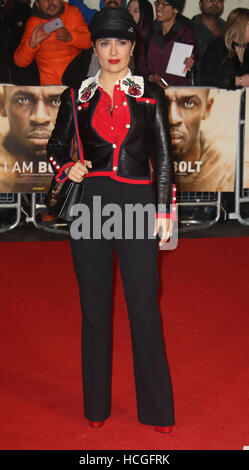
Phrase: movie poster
(204, 132)
(246, 146)
(27, 118)
(203, 128)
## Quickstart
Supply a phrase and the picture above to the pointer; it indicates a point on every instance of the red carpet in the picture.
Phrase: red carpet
(206, 324)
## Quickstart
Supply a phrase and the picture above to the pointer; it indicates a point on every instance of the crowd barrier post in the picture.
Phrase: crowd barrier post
(11, 201)
(241, 194)
(37, 203)
(199, 199)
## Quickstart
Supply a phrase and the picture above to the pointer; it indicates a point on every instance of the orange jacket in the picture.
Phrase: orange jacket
(52, 55)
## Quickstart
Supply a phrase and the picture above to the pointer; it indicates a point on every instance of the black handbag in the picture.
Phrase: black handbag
(61, 197)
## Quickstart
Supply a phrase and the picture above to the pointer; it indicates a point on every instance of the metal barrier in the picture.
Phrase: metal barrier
(184, 199)
(195, 200)
(37, 203)
(11, 201)
(241, 194)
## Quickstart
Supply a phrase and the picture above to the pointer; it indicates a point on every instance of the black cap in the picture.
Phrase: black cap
(113, 23)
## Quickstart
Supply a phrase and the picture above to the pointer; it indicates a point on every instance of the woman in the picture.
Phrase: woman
(142, 12)
(118, 116)
(225, 63)
(158, 40)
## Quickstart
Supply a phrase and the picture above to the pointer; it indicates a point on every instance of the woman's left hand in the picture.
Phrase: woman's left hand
(189, 62)
(165, 225)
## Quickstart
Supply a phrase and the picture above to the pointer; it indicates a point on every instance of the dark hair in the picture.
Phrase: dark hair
(146, 12)
(177, 4)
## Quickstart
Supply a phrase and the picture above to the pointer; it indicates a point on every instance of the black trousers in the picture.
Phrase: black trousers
(93, 263)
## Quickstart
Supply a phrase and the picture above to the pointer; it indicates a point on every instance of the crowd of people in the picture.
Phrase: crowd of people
(49, 43)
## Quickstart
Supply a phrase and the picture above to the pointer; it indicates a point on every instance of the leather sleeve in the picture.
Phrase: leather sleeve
(59, 147)
(163, 162)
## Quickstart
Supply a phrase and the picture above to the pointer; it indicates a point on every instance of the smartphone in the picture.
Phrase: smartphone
(53, 25)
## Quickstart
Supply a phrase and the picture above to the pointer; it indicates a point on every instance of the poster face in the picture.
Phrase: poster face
(27, 118)
(204, 131)
(246, 147)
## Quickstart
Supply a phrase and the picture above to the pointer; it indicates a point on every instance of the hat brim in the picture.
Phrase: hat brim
(113, 34)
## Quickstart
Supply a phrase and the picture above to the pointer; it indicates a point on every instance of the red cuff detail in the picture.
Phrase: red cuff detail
(162, 216)
(166, 215)
(61, 171)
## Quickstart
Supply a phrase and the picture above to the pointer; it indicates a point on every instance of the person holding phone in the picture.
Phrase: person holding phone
(54, 35)
(122, 121)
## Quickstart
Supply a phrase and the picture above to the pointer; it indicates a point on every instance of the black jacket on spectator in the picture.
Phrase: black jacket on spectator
(13, 18)
(203, 34)
(220, 71)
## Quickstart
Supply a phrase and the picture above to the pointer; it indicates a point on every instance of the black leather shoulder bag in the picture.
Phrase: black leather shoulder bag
(62, 196)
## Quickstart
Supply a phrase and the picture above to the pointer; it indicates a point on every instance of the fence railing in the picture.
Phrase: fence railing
(241, 194)
(10, 202)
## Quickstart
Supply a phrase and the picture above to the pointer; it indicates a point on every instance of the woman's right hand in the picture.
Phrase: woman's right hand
(77, 172)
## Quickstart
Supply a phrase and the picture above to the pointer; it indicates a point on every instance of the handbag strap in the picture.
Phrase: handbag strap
(78, 139)
(72, 146)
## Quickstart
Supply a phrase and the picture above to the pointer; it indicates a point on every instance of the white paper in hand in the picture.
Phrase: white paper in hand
(178, 55)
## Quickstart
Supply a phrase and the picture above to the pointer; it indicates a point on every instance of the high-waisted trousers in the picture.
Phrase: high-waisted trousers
(138, 262)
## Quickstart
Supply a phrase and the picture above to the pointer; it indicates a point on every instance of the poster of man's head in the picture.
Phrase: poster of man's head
(27, 118)
(246, 147)
(204, 132)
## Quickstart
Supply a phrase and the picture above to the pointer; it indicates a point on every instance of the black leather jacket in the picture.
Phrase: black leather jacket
(148, 135)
